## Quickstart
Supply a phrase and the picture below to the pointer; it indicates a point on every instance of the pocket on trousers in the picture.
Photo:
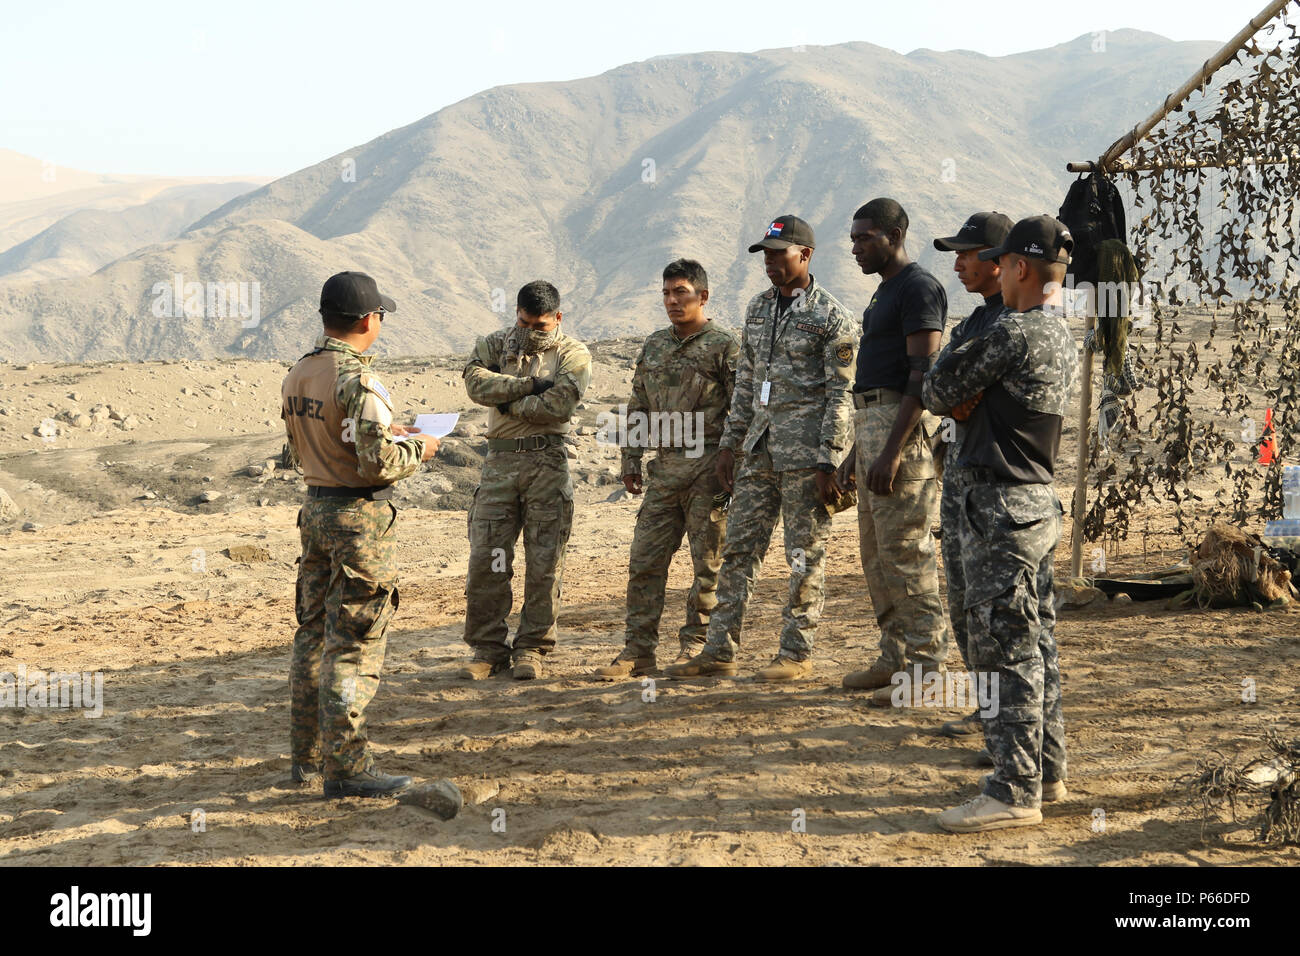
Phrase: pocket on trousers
(917, 462)
(1026, 507)
(366, 592)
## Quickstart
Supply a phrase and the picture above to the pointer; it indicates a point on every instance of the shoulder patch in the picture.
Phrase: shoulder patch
(844, 353)
(372, 384)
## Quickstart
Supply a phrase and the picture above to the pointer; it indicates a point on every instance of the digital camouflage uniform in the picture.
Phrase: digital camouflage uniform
(1009, 531)
(347, 574)
(807, 356)
(526, 490)
(955, 483)
(691, 378)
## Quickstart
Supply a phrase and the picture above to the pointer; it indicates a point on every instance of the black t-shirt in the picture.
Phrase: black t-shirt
(911, 301)
(981, 320)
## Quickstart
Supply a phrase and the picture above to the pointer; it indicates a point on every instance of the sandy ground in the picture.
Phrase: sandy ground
(193, 645)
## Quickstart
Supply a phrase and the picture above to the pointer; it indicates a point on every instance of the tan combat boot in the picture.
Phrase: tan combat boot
(479, 669)
(528, 665)
(986, 813)
(908, 690)
(687, 652)
(630, 663)
(703, 665)
(1053, 790)
(877, 675)
(785, 669)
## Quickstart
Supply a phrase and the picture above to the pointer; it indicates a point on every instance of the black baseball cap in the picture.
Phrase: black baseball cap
(1038, 237)
(981, 229)
(353, 293)
(786, 231)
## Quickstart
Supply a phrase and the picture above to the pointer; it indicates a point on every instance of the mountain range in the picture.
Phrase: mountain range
(593, 184)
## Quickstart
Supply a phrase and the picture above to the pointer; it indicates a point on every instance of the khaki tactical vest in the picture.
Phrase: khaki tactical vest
(323, 438)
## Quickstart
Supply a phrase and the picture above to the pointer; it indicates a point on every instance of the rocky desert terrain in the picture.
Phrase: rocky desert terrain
(149, 535)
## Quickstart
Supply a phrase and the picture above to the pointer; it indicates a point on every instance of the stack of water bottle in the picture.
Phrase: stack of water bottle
(1286, 533)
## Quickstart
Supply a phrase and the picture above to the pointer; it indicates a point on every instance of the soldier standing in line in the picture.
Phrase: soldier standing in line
(791, 417)
(681, 390)
(892, 463)
(532, 377)
(983, 230)
(339, 420)
(1018, 375)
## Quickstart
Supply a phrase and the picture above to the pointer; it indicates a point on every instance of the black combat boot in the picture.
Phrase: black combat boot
(368, 783)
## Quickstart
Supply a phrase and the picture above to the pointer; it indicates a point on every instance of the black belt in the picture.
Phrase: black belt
(873, 395)
(374, 492)
(529, 443)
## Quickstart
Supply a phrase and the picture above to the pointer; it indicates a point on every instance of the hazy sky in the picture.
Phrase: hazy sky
(268, 87)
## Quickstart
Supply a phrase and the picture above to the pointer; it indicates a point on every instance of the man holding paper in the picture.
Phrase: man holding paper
(531, 377)
(338, 417)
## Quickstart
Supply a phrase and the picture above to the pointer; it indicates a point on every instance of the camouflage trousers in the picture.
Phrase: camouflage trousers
(895, 543)
(955, 483)
(761, 496)
(346, 595)
(1009, 534)
(678, 500)
(528, 491)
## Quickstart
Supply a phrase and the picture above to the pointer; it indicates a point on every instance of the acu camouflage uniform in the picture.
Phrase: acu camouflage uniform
(956, 481)
(347, 573)
(1009, 531)
(525, 486)
(690, 378)
(807, 356)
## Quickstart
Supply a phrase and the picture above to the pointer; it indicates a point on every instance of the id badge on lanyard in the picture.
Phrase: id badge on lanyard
(765, 390)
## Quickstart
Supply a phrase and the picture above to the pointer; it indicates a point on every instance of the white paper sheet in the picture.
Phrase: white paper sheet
(437, 426)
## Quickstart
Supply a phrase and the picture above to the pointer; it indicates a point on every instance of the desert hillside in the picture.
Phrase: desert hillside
(595, 184)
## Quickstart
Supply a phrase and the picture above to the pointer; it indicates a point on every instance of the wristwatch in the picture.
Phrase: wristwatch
(829, 469)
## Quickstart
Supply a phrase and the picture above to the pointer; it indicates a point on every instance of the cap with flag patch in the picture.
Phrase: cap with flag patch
(1038, 237)
(786, 231)
(981, 229)
(353, 293)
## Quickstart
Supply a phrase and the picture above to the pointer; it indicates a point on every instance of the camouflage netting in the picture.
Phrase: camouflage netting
(1212, 195)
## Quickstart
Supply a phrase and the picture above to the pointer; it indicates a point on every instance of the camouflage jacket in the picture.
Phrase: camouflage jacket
(979, 321)
(689, 376)
(359, 433)
(1025, 366)
(567, 363)
(807, 356)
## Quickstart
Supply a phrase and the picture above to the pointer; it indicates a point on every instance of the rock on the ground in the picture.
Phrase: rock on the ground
(1075, 595)
(9, 509)
(442, 797)
(209, 496)
(247, 553)
(475, 792)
